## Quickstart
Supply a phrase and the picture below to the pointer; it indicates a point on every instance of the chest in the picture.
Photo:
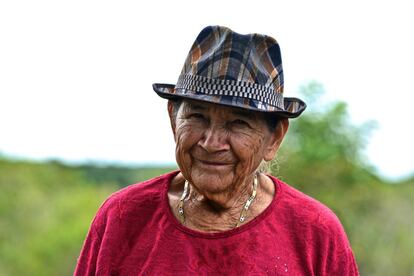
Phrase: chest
(170, 252)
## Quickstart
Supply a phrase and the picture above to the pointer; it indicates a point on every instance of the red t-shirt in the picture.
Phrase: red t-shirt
(136, 233)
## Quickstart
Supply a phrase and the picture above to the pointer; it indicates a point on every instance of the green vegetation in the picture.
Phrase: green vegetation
(46, 208)
(323, 157)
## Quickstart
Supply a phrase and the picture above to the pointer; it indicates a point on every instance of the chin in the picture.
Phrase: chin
(211, 183)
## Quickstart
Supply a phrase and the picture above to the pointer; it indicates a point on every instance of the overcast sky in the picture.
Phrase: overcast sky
(75, 76)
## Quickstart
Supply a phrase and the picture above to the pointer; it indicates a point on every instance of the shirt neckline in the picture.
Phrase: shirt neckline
(223, 234)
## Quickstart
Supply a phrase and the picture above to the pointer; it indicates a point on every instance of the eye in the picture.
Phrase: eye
(197, 116)
(239, 122)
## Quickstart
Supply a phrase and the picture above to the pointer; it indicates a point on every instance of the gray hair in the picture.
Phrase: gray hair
(268, 167)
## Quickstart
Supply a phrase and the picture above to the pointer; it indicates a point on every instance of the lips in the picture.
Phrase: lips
(214, 163)
(220, 159)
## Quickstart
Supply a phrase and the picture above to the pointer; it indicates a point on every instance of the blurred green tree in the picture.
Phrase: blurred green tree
(323, 156)
(46, 210)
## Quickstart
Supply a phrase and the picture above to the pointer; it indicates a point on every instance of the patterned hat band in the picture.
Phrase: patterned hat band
(225, 87)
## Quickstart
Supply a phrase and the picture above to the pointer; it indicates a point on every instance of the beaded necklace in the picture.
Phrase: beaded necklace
(243, 212)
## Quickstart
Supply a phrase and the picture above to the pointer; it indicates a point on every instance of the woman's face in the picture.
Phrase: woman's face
(218, 148)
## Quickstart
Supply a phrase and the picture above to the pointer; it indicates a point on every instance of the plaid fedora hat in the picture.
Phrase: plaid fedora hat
(232, 69)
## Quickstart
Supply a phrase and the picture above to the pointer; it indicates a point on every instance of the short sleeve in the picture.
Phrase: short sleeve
(88, 259)
(339, 259)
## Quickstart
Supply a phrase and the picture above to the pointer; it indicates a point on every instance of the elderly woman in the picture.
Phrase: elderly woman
(220, 214)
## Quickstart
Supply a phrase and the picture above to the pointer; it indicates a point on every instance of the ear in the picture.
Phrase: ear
(172, 117)
(276, 139)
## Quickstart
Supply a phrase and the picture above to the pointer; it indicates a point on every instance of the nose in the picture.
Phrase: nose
(214, 139)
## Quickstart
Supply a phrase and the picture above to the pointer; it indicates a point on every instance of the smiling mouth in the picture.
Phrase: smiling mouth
(213, 163)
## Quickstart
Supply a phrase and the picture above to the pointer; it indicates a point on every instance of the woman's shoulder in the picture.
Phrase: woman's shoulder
(316, 230)
(306, 211)
(145, 189)
(132, 198)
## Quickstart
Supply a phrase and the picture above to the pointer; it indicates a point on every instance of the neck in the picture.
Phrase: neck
(208, 213)
(217, 213)
(224, 201)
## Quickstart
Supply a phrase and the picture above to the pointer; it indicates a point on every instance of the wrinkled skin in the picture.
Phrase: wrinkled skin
(218, 149)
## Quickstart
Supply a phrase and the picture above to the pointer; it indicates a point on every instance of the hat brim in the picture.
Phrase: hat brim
(293, 106)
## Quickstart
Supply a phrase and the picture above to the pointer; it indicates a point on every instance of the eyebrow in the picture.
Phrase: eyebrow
(243, 114)
(196, 107)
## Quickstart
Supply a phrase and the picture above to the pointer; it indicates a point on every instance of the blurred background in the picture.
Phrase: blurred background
(79, 119)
